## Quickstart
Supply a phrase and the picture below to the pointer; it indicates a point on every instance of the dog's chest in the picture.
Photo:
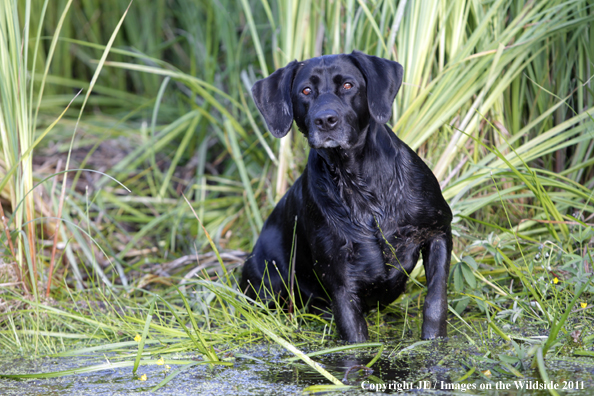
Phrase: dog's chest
(382, 250)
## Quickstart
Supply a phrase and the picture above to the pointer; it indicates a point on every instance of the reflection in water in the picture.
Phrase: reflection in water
(408, 369)
(390, 374)
(338, 365)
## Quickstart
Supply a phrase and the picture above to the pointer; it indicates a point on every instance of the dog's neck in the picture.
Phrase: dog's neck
(347, 170)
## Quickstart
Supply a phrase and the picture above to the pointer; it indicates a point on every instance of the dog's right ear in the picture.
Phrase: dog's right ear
(272, 96)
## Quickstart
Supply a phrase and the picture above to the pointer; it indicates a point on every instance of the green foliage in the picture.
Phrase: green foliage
(496, 98)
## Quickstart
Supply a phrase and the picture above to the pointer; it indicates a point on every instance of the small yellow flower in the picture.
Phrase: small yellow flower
(167, 368)
(137, 338)
(160, 362)
(487, 373)
(555, 280)
(143, 377)
(584, 305)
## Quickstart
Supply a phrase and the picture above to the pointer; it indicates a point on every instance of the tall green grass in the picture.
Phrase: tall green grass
(496, 98)
(17, 129)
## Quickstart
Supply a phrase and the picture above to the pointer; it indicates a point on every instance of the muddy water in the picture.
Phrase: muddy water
(264, 370)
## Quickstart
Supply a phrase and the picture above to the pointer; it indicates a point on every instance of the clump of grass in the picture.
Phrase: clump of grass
(497, 99)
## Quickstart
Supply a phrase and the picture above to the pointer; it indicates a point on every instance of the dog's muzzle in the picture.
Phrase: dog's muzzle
(325, 130)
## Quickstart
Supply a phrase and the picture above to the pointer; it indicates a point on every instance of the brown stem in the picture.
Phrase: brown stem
(57, 231)
(11, 246)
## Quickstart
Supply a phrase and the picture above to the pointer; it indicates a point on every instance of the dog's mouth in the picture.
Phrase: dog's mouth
(316, 141)
(319, 140)
(334, 137)
(330, 143)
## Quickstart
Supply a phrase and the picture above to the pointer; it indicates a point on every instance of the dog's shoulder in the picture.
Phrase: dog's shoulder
(416, 188)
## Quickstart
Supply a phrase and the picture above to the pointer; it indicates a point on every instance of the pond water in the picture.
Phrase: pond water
(431, 367)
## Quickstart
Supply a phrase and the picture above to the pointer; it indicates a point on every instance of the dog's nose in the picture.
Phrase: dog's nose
(326, 120)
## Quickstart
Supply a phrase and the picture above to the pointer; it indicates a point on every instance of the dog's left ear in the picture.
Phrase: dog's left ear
(383, 78)
(272, 96)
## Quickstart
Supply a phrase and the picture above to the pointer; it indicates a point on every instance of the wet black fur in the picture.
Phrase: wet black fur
(365, 207)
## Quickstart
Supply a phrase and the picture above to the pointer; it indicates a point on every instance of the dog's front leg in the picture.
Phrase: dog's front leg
(349, 317)
(436, 259)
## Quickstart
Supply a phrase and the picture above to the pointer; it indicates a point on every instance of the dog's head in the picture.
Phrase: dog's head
(331, 98)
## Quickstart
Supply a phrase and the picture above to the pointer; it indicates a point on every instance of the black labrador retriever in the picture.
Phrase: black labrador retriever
(364, 208)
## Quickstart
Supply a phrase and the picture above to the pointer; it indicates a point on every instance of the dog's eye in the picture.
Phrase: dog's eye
(347, 85)
(306, 91)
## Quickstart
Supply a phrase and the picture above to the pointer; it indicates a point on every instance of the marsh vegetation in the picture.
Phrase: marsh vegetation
(135, 173)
